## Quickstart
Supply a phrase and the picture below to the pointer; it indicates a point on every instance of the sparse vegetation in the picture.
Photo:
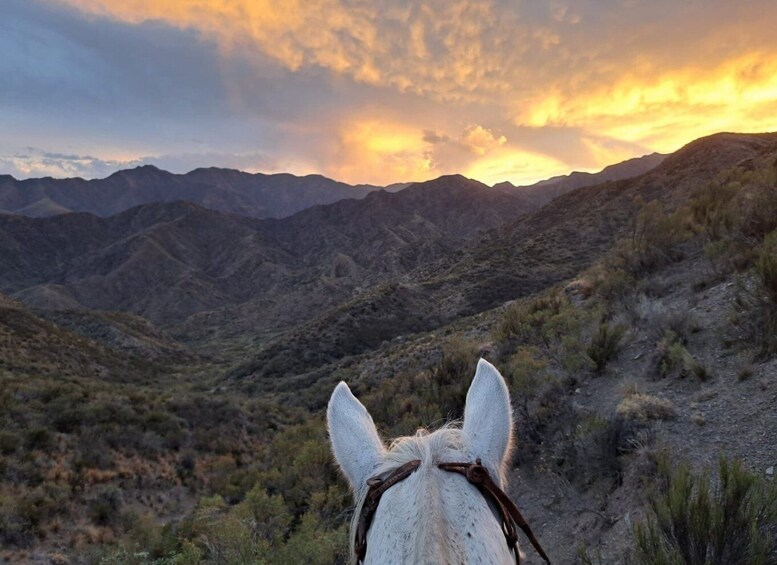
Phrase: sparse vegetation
(121, 459)
(671, 358)
(605, 344)
(738, 217)
(654, 238)
(697, 521)
(550, 324)
(644, 408)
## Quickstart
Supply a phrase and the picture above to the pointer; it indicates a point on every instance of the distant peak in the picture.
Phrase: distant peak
(141, 170)
(449, 181)
(455, 176)
(148, 169)
(203, 170)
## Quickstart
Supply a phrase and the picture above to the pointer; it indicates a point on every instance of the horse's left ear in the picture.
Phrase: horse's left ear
(488, 417)
(355, 441)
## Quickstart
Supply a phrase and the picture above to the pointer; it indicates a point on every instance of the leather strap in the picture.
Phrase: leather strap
(479, 476)
(377, 488)
(476, 474)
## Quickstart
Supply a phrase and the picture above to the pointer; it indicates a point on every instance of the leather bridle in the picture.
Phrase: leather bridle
(476, 474)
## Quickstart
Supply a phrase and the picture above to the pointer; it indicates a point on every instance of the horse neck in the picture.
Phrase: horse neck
(435, 517)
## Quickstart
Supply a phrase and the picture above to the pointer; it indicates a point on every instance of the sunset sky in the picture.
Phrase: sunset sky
(376, 91)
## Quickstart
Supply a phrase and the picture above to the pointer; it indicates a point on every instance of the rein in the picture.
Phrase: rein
(476, 474)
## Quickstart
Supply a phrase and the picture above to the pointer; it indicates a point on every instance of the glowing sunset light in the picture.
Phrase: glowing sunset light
(377, 91)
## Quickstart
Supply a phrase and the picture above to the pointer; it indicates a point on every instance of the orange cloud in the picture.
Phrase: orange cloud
(373, 150)
(648, 77)
(666, 109)
(480, 141)
(518, 166)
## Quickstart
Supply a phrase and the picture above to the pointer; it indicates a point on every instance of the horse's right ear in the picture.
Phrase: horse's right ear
(355, 442)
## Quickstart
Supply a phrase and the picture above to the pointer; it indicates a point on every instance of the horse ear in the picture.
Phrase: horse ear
(488, 419)
(355, 442)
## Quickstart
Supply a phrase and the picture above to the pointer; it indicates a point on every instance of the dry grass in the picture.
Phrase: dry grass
(644, 408)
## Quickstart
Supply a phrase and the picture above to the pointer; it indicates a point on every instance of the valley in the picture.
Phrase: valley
(164, 364)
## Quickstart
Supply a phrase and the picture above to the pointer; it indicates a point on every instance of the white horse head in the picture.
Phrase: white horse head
(432, 516)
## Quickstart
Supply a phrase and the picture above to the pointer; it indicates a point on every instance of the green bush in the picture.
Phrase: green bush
(713, 208)
(522, 319)
(671, 358)
(605, 344)
(654, 239)
(104, 507)
(694, 521)
(766, 275)
(450, 378)
(551, 325)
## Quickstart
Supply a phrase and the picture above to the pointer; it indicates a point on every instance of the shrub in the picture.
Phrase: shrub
(671, 358)
(550, 324)
(654, 238)
(766, 275)
(595, 449)
(9, 442)
(612, 282)
(605, 344)
(104, 507)
(643, 408)
(38, 438)
(523, 320)
(759, 209)
(713, 208)
(766, 268)
(695, 523)
(744, 373)
(450, 378)
(525, 372)
(756, 302)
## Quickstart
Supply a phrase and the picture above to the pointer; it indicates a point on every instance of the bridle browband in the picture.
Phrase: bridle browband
(476, 474)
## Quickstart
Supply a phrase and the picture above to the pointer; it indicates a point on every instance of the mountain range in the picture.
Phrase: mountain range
(226, 190)
(542, 192)
(337, 279)
(236, 192)
(162, 358)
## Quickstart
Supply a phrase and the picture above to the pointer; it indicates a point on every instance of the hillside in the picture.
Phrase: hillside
(163, 371)
(526, 256)
(197, 271)
(32, 344)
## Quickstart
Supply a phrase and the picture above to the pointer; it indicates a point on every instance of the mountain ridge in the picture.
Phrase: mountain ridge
(542, 192)
(169, 261)
(448, 247)
(257, 195)
(226, 190)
